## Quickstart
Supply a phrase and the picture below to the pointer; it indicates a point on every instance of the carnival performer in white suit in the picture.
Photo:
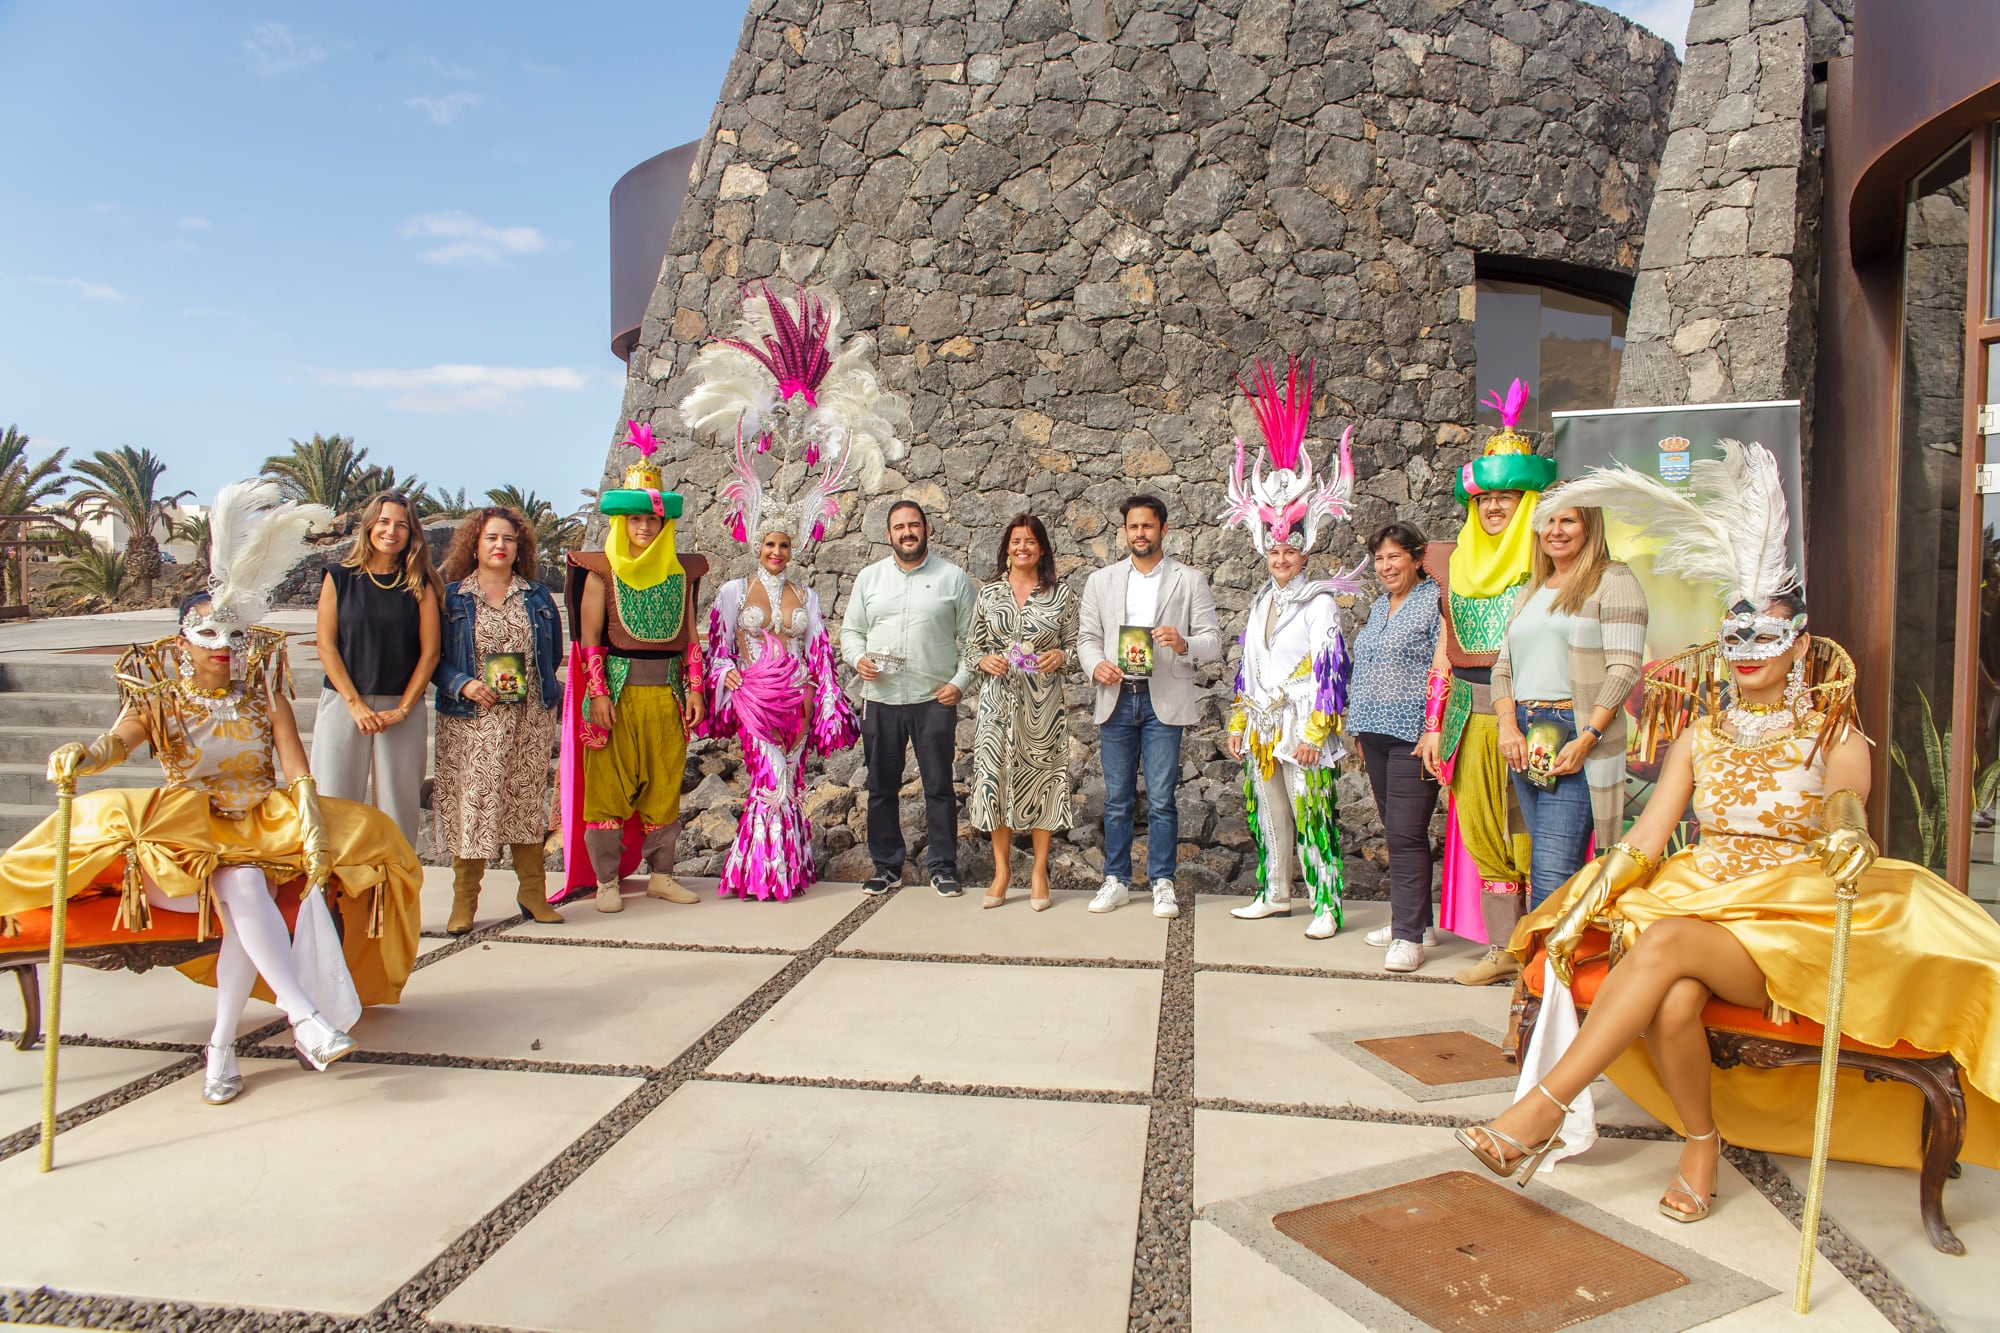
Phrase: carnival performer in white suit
(1291, 687)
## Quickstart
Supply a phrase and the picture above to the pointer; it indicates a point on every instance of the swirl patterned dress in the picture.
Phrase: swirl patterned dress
(1020, 749)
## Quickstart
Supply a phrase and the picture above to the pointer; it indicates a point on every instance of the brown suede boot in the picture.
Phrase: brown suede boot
(531, 870)
(465, 877)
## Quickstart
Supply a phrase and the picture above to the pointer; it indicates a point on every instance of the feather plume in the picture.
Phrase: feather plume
(255, 542)
(1281, 414)
(1727, 529)
(1509, 407)
(730, 388)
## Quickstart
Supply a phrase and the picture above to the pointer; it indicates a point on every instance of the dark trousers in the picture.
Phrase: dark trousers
(886, 729)
(1405, 796)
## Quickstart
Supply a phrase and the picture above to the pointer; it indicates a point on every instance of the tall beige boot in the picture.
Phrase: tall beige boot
(465, 877)
(533, 898)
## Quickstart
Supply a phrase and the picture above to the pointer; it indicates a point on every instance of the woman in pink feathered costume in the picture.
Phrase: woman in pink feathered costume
(773, 686)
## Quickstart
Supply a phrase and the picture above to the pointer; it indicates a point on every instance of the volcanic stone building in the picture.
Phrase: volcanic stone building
(1071, 226)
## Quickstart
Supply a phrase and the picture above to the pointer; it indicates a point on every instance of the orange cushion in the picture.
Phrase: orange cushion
(92, 913)
(1718, 1014)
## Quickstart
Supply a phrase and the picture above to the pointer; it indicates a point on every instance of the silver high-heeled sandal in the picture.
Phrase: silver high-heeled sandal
(318, 1042)
(1681, 1186)
(219, 1089)
(1528, 1157)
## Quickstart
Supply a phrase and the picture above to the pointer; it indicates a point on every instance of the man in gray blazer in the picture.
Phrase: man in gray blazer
(1145, 622)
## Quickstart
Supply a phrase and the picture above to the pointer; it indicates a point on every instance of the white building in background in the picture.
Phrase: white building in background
(111, 532)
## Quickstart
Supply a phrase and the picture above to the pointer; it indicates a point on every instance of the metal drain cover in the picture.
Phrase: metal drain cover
(1435, 1058)
(1460, 1252)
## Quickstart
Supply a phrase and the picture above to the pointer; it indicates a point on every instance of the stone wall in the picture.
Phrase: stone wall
(1071, 226)
(1726, 302)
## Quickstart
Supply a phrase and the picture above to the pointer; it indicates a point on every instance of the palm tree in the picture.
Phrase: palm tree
(444, 504)
(325, 470)
(24, 487)
(195, 532)
(554, 533)
(122, 482)
(92, 573)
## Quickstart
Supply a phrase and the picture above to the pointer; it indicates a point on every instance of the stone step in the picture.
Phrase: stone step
(90, 673)
(31, 745)
(17, 820)
(28, 784)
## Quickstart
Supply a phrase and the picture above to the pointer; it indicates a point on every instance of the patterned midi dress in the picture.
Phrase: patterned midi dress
(493, 767)
(1020, 748)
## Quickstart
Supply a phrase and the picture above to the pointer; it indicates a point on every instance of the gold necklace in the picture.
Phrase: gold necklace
(394, 579)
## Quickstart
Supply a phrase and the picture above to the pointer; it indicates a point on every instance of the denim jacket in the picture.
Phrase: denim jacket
(459, 662)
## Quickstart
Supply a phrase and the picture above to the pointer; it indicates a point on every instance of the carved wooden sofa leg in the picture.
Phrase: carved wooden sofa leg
(28, 977)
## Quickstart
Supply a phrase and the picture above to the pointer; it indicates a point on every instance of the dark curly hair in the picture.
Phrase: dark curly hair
(1045, 568)
(462, 557)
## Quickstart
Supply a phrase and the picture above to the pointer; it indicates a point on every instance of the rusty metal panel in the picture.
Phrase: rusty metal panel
(1435, 1058)
(1464, 1253)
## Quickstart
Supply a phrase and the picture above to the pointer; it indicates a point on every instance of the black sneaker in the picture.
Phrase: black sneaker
(947, 886)
(878, 884)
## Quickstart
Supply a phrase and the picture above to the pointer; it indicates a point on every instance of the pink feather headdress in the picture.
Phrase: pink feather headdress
(1286, 507)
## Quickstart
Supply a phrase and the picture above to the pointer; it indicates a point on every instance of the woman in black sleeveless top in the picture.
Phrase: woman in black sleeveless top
(379, 642)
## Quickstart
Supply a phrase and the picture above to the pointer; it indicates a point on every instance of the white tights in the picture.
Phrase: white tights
(255, 942)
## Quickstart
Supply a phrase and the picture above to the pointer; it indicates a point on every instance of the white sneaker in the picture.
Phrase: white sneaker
(1381, 935)
(1404, 956)
(1259, 908)
(1323, 925)
(1163, 898)
(1113, 894)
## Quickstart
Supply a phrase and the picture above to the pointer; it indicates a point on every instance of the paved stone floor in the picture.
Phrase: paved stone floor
(896, 1113)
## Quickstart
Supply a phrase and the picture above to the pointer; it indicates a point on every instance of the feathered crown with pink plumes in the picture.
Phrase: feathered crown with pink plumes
(1286, 506)
(785, 384)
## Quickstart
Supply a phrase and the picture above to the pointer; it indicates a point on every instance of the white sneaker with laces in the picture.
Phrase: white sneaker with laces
(1163, 899)
(1381, 935)
(1259, 908)
(1323, 925)
(1403, 956)
(1113, 894)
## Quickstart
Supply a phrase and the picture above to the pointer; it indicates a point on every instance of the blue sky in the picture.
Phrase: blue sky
(228, 225)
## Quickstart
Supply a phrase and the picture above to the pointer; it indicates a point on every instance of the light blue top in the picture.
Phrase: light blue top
(1538, 648)
(922, 615)
(1392, 665)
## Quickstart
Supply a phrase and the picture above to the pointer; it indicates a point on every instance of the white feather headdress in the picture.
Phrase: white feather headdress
(255, 538)
(785, 377)
(1728, 526)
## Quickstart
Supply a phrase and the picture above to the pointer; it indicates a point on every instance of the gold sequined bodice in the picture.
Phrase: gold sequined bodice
(1758, 805)
(221, 747)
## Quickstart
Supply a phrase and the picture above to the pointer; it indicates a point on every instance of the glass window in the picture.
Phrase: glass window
(1937, 240)
(1564, 345)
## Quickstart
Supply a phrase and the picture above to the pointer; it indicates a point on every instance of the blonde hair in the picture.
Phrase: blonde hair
(419, 574)
(1590, 566)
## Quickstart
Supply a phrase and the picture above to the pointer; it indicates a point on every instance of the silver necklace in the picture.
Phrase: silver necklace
(1752, 723)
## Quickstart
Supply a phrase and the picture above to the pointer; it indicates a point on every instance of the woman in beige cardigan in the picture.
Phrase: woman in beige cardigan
(1575, 644)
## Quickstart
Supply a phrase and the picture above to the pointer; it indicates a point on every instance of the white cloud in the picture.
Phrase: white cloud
(89, 291)
(450, 70)
(194, 224)
(467, 240)
(1666, 18)
(455, 389)
(444, 110)
(273, 49)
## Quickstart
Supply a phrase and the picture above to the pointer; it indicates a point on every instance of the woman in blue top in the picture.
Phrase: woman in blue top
(1385, 716)
(496, 703)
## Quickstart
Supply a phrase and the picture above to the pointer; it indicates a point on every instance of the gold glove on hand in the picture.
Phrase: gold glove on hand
(1845, 850)
(76, 759)
(319, 861)
(1617, 870)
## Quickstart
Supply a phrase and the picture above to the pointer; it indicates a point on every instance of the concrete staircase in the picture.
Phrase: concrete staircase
(49, 698)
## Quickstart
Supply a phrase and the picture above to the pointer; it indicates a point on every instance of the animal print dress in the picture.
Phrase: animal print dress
(493, 767)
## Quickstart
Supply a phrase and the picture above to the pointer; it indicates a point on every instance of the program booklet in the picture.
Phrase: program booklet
(1135, 650)
(1545, 745)
(506, 674)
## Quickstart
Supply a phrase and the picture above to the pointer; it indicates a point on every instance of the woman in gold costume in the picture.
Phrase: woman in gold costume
(1778, 774)
(221, 835)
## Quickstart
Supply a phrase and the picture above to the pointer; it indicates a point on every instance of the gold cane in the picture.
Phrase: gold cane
(1844, 895)
(58, 930)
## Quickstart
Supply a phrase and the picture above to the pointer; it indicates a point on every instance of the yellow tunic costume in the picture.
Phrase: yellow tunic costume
(1923, 963)
(221, 806)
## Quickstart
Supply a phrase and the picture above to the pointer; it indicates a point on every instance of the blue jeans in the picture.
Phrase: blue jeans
(1559, 819)
(1132, 734)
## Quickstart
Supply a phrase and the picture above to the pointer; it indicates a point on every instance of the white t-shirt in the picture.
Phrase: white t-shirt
(1142, 595)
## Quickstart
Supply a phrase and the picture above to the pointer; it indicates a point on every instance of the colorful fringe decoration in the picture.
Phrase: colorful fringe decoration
(1316, 831)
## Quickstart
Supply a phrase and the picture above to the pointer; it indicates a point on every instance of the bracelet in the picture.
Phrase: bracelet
(1593, 731)
(1437, 688)
(1646, 863)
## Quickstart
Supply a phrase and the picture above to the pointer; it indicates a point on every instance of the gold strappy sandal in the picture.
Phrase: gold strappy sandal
(1528, 1157)
(1681, 1186)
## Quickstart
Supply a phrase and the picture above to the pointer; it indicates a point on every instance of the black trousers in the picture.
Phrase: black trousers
(1405, 796)
(886, 730)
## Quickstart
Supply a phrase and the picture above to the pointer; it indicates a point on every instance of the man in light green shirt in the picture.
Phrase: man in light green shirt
(904, 634)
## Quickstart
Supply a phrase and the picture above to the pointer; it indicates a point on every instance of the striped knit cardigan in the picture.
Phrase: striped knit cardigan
(1607, 652)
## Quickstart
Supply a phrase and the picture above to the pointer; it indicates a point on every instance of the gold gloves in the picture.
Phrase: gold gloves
(76, 759)
(1617, 870)
(1845, 849)
(319, 861)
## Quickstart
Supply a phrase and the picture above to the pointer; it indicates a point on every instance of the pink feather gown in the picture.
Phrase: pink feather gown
(787, 706)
